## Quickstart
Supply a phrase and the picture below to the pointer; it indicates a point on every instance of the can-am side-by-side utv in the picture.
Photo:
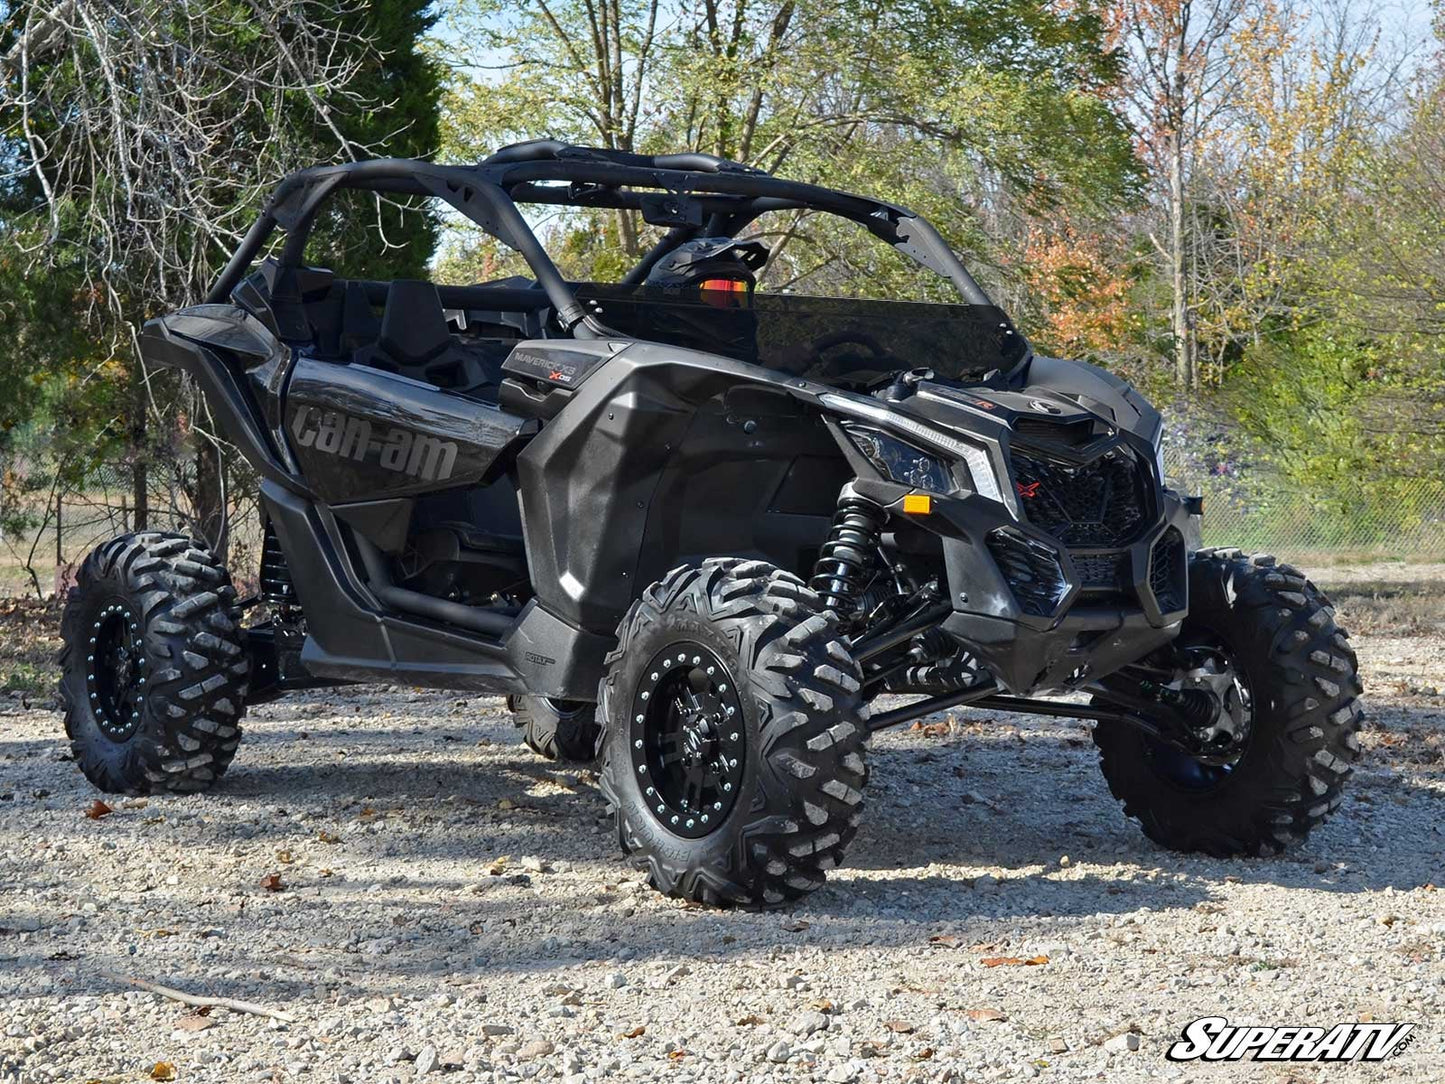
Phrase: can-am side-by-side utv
(696, 527)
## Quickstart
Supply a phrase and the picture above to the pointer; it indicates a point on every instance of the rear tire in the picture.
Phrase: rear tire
(565, 730)
(1304, 685)
(777, 745)
(153, 670)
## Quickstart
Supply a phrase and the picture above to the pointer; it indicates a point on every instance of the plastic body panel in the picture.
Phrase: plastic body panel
(604, 484)
(359, 433)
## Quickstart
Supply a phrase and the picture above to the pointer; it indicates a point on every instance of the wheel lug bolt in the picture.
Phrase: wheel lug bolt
(704, 818)
(696, 659)
(674, 819)
(727, 786)
(733, 736)
(637, 744)
(646, 695)
(654, 675)
(690, 822)
(723, 687)
(639, 718)
(642, 769)
(650, 792)
(717, 806)
(711, 670)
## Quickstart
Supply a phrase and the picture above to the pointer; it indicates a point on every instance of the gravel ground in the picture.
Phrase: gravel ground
(429, 899)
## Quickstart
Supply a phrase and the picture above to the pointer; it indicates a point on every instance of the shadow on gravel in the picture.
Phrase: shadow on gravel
(990, 800)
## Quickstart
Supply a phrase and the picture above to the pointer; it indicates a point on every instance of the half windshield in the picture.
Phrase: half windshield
(843, 342)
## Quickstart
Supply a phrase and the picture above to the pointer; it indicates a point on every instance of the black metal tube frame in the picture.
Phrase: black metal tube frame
(487, 193)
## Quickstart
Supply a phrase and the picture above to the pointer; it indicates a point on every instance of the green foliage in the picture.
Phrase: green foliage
(1002, 99)
(401, 84)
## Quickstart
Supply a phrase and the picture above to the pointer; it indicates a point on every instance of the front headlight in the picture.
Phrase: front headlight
(973, 457)
(900, 461)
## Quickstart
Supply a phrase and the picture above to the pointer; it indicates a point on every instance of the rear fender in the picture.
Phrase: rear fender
(231, 355)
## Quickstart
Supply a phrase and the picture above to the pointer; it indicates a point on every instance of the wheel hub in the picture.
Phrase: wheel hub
(115, 671)
(688, 740)
(1215, 674)
(1218, 742)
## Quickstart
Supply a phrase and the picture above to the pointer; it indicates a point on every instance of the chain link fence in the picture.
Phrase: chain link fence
(64, 523)
(1250, 509)
(1257, 509)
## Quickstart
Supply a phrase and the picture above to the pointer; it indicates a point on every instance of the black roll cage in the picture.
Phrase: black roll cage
(694, 194)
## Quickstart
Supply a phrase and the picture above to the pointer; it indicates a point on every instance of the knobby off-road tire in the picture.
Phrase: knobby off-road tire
(800, 774)
(1303, 680)
(164, 714)
(564, 730)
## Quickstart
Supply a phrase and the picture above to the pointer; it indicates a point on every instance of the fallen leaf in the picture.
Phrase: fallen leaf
(498, 865)
(947, 940)
(163, 1070)
(634, 1033)
(328, 837)
(1013, 961)
(751, 1020)
(900, 1027)
(794, 925)
(506, 803)
(285, 857)
(272, 882)
(195, 1021)
(985, 1014)
(924, 1054)
(98, 809)
(823, 1005)
(676, 1055)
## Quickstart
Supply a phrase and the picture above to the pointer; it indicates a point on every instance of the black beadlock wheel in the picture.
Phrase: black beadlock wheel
(153, 672)
(1262, 638)
(733, 744)
(563, 730)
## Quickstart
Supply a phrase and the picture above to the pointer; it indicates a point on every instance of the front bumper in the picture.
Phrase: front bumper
(1033, 611)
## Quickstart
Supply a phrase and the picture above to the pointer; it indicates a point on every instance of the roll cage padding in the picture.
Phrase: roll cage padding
(695, 194)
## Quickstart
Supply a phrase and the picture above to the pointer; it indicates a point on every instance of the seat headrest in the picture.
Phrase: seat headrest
(413, 327)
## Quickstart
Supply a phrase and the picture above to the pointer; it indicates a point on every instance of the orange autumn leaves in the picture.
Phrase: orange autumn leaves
(1081, 295)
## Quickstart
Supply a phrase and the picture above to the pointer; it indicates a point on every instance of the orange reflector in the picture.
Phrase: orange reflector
(917, 504)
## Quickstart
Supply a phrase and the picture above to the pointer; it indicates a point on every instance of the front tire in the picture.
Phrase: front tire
(733, 745)
(1300, 678)
(563, 730)
(153, 670)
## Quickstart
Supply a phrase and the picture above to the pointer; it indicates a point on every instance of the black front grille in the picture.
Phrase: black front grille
(1168, 572)
(1101, 503)
(1032, 570)
(1102, 570)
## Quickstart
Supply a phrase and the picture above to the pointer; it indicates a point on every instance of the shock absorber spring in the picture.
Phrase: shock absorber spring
(848, 556)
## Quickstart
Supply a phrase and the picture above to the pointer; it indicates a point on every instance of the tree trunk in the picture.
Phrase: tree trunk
(1185, 371)
(139, 478)
(212, 523)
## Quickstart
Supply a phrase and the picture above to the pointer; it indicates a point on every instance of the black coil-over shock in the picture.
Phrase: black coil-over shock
(847, 558)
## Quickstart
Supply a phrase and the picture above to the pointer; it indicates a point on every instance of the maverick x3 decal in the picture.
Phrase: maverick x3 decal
(396, 449)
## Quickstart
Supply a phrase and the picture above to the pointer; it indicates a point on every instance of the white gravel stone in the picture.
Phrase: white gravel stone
(378, 947)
